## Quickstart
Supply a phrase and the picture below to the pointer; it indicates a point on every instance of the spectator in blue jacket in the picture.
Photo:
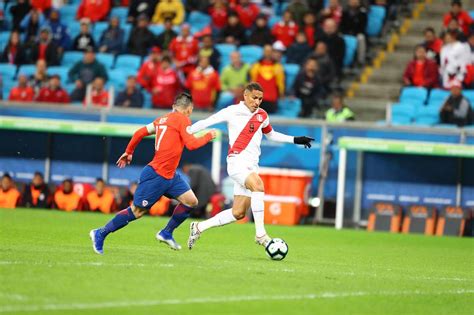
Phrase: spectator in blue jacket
(299, 50)
(59, 31)
(131, 96)
(111, 40)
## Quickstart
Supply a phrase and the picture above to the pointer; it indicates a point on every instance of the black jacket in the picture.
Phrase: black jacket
(82, 41)
(20, 57)
(336, 49)
(42, 201)
(261, 36)
(137, 7)
(297, 52)
(237, 31)
(353, 22)
(18, 12)
(51, 54)
(460, 113)
(140, 41)
(164, 39)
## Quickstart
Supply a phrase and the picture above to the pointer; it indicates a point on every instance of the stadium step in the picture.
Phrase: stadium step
(380, 91)
(366, 109)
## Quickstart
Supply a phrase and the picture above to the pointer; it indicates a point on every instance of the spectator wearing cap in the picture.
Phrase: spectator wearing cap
(457, 13)
(59, 31)
(84, 72)
(234, 77)
(421, 71)
(165, 85)
(45, 49)
(149, 69)
(261, 34)
(18, 11)
(141, 7)
(169, 9)
(101, 198)
(30, 25)
(23, 92)
(432, 43)
(456, 109)
(271, 76)
(131, 96)
(141, 38)
(184, 49)
(112, 39)
(335, 43)
(234, 32)
(354, 22)
(278, 50)
(164, 39)
(84, 39)
(208, 50)
(36, 194)
(65, 198)
(94, 10)
(99, 96)
(332, 11)
(339, 112)
(454, 59)
(247, 12)
(14, 52)
(285, 30)
(53, 92)
(299, 50)
(308, 88)
(218, 12)
(40, 78)
(203, 84)
(9, 195)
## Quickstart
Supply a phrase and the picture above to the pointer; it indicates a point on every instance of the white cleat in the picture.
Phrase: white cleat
(194, 234)
(263, 240)
(168, 240)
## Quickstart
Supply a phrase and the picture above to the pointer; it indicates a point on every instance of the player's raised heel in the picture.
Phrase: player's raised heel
(168, 239)
(97, 241)
(194, 234)
(263, 240)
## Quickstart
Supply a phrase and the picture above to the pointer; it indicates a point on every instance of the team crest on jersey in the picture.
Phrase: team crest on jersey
(259, 117)
(144, 203)
(163, 120)
(251, 127)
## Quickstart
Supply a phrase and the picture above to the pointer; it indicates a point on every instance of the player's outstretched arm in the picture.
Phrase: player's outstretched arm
(126, 158)
(218, 117)
(280, 137)
(192, 143)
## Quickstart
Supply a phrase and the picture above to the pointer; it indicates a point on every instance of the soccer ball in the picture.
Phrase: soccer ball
(276, 249)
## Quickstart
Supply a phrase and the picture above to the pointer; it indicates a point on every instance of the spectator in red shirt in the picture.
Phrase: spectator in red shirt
(149, 69)
(45, 49)
(218, 12)
(14, 52)
(460, 15)
(333, 11)
(98, 95)
(432, 43)
(247, 12)
(204, 84)
(95, 10)
(184, 50)
(310, 28)
(285, 30)
(165, 85)
(41, 5)
(22, 92)
(421, 71)
(54, 93)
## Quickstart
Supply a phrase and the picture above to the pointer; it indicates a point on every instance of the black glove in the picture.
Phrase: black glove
(306, 141)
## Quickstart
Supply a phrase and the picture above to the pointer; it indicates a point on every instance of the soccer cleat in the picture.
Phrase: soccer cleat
(194, 234)
(97, 241)
(263, 240)
(168, 239)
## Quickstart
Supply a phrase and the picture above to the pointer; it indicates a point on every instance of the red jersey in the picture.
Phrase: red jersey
(53, 96)
(463, 18)
(310, 31)
(285, 33)
(147, 72)
(218, 16)
(248, 14)
(203, 85)
(25, 94)
(165, 86)
(41, 5)
(95, 10)
(184, 50)
(171, 136)
(99, 98)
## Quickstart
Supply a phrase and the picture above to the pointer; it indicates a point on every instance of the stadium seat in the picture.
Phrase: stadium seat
(156, 29)
(419, 219)
(351, 49)
(106, 59)
(127, 28)
(68, 13)
(128, 62)
(4, 37)
(438, 95)
(225, 49)
(225, 99)
(198, 20)
(289, 107)
(427, 115)
(61, 71)
(402, 114)
(274, 19)
(410, 94)
(469, 94)
(27, 70)
(7, 71)
(375, 20)
(452, 221)
(385, 216)
(71, 57)
(291, 71)
(251, 53)
(99, 28)
(121, 13)
(471, 13)
(147, 100)
(74, 28)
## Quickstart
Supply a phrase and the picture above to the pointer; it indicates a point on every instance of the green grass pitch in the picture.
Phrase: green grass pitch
(47, 266)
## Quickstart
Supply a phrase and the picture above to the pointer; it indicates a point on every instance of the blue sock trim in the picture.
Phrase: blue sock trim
(121, 219)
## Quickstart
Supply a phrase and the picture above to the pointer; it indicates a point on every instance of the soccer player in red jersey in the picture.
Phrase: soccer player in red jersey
(159, 177)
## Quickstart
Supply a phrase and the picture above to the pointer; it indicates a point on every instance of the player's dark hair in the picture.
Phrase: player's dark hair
(183, 100)
(67, 180)
(253, 86)
(39, 174)
(6, 175)
(99, 180)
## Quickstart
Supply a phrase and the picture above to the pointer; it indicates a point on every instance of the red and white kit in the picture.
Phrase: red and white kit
(245, 136)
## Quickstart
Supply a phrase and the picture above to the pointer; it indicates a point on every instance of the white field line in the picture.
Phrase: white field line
(222, 300)
(51, 264)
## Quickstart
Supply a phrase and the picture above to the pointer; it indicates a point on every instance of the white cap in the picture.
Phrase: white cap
(278, 45)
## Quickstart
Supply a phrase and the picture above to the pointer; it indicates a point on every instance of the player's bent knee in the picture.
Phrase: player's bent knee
(193, 202)
(138, 212)
(238, 214)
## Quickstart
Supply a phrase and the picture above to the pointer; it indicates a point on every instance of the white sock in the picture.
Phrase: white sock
(220, 219)
(257, 205)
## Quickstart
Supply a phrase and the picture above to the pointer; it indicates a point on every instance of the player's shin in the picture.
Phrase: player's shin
(220, 219)
(180, 214)
(257, 206)
(121, 219)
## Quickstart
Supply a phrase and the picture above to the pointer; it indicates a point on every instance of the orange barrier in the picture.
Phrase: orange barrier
(282, 210)
(385, 217)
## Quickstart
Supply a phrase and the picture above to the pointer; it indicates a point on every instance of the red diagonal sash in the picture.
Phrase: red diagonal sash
(247, 133)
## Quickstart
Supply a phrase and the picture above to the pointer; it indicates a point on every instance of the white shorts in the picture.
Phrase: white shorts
(239, 172)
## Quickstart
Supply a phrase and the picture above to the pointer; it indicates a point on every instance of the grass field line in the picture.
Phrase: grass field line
(224, 299)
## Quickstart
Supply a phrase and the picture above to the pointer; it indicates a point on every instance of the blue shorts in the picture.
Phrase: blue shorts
(152, 186)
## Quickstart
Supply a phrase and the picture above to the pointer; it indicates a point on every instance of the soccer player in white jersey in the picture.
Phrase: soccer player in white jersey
(246, 123)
